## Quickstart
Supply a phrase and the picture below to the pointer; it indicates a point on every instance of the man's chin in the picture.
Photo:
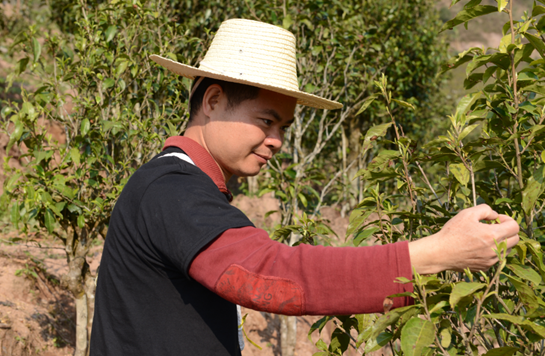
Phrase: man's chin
(249, 173)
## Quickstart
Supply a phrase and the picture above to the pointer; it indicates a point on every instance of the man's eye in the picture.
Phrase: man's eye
(285, 128)
(267, 122)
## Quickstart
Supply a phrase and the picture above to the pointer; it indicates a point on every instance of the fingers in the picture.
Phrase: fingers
(504, 218)
(483, 212)
(505, 229)
(512, 241)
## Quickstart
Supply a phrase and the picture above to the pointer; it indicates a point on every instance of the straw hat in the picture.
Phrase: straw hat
(253, 53)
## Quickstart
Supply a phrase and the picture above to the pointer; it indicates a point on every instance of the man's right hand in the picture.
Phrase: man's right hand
(464, 242)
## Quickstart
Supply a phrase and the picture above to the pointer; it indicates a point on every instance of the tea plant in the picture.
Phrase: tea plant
(492, 153)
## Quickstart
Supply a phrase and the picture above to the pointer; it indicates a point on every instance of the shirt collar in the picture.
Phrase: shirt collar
(202, 159)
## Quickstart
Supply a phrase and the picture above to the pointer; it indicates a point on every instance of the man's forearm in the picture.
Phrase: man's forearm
(246, 267)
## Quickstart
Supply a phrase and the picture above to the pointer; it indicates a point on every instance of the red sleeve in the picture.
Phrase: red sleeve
(246, 267)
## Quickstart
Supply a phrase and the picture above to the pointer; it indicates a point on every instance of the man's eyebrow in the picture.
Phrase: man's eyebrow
(274, 114)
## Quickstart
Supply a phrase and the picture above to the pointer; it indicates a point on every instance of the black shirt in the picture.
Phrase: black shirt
(146, 303)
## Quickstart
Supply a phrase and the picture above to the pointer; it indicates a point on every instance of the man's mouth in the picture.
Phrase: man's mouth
(262, 158)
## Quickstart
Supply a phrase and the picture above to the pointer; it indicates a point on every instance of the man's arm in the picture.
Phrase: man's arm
(246, 267)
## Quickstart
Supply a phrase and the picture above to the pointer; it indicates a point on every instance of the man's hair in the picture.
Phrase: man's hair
(236, 93)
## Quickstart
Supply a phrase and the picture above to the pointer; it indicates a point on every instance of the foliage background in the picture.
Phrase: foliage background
(83, 66)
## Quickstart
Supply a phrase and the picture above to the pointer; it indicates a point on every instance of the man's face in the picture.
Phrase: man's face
(243, 138)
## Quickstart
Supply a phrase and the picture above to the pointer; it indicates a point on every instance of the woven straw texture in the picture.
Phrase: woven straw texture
(253, 53)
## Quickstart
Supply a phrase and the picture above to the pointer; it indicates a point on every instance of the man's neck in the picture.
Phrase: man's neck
(195, 133)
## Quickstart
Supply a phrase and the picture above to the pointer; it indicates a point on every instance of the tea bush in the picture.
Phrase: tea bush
(492, 153)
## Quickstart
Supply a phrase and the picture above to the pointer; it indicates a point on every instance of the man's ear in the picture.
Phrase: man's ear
(211, 99)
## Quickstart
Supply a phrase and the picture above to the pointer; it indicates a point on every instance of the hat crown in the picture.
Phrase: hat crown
(253, 51)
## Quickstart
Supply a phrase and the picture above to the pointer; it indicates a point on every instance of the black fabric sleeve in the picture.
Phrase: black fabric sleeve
(183, 211)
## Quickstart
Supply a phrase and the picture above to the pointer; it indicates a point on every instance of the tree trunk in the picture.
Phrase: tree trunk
(354, 145)
(288, 334)
(81, 326)
(80, 283)
(90, 289)
(252, 185)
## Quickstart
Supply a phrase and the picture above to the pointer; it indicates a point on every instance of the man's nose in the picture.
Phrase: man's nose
(274, 141)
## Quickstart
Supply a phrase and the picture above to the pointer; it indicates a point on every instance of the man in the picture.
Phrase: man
(178, 257)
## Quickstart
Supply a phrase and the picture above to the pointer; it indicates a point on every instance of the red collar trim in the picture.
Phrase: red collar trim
(202, 159)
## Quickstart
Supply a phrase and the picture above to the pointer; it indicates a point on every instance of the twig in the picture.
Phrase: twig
(428, 316)
(428, 182)
(328, 185)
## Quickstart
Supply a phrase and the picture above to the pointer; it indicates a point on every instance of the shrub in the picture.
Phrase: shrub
(493, 154)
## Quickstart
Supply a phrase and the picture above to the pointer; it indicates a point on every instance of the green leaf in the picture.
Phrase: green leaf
(505, 41)
(455, 63)
(319, 325)
(75, 155)
(49, 220)
(339, 341)
(467, 131)
(36, 49)
(415, 335)
(524, 53)
(507, 317)
(287, 22)
(122, 64)
(502, 4)
(502, 60)
(302, 199)
(468, 14)
(537, 43)
(534, 327)
(316, 50)
(526, 293)
(15, 214)
(538, 89)
(12, 181)
(446, 338)
(366, 104)
(357, 218)
(382, 323)
(472, 3)
(379, 342)
(364, 235)
(15, 135)
(108, 83)
(531, 193)
(465, 104)
(404, 104)
(460, 172)
(502, 351)
(462, 290)
(438, 306)
(372, 134)
(85, 126)
(21, 65)
(538, 10)
(29, 110)
(81, 221)
(477, 62)
(110, 33)
(525, 272)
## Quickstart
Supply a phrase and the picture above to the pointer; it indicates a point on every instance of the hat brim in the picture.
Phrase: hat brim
(192, 72)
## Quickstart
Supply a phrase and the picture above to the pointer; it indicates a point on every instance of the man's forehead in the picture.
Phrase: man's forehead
(275, 105)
